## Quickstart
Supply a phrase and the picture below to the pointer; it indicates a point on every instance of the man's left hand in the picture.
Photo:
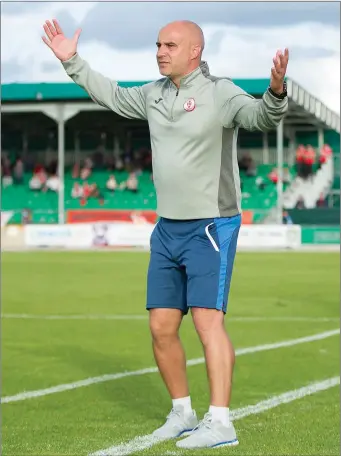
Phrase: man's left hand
(278, 71)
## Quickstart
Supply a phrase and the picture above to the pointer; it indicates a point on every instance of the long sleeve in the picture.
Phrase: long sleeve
(238, 108)
(126, 102)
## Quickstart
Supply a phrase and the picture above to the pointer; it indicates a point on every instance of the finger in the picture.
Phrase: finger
(77, 35)
(48, 33)
(51, 28)
(277, 64)
(46, 41)
(57, 27)
(275, 74)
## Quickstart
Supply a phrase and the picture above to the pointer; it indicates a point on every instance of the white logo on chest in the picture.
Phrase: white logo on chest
(189, 105)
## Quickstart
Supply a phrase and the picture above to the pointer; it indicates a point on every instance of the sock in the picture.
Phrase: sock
(184, 402)
(220, 414)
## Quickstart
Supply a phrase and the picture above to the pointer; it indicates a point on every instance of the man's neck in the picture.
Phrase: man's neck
(177, 79)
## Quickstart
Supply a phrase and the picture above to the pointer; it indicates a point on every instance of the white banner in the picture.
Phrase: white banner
(67, 236)
(272, 236)
(86, 235)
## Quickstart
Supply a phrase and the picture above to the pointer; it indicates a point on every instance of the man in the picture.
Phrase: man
(193, 121)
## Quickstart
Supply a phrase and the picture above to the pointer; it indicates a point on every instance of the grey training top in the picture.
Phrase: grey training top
(193, 133)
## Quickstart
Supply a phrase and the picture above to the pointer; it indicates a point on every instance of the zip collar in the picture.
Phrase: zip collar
(187, 80)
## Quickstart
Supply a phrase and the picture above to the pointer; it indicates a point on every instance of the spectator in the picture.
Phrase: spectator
(52, 183)
(287, 220)
(309, 160)
(300, 153)
(111, 183)
(321, 202)
(325, 154)
(75, 171)
(300, 203)
(286, 176)
(273, 175)
(260, 183)
(38, 180)
(131, 183)
(77, 191)
(18, 172)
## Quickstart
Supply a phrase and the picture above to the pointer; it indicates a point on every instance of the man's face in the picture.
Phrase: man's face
(173, 53)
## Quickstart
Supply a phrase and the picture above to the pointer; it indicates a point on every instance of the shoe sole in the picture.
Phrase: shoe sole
(231, 443)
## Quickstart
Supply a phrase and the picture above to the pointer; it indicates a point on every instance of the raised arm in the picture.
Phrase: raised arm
(238, 108)
(127, 102)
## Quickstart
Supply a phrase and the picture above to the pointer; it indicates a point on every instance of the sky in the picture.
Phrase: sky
(118, 39)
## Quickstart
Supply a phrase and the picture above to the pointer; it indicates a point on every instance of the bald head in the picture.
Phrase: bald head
(180, 47)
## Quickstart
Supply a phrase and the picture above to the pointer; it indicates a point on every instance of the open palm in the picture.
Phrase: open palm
(62, 47)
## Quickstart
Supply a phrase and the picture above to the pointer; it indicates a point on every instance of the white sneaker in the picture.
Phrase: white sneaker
(210, 434)
(177, 424)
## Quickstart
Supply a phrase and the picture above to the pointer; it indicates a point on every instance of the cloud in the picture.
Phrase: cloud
(237, 51)
(124, 25)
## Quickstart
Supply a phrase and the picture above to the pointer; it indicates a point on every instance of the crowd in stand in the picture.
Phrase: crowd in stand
(45, 178)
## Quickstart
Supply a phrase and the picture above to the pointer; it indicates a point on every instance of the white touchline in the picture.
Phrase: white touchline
(18, 316)
(146, 441)
(150, 370)
(143, 442)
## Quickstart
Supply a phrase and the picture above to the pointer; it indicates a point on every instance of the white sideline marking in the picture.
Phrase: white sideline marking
(146, 441)
(145, 317)
(149, 370)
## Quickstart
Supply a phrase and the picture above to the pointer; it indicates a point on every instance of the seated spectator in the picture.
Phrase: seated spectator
(111, 183)
(85, 173)
(119, 165)
(260, 183)
(18, 172)
(300, 203)
(300, 152)
(273, 175)
(75, 171)
(287, 220)
(6, 173)
(130, 184)
(286, 176)
(77, 191)
(308, 161)
(321, 202)
(87, 169)
(247, 165)
(52, 183)
(38, 180)
(324, 155)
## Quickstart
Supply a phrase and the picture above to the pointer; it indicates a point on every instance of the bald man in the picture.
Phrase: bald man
(193, 120)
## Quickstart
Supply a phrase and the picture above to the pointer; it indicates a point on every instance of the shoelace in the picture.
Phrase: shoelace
(205, 422)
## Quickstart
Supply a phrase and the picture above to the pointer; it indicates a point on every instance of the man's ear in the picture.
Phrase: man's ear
(196, 50)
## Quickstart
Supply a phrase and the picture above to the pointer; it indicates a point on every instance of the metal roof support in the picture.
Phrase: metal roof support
(280, 137)
(61, 156)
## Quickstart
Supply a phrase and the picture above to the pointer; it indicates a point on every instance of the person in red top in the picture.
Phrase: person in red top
(300, 152)
(325, 153)
(309, 160)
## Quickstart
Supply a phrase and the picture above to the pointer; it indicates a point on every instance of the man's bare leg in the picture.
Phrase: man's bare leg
(219, 356)
(168, 351)
(170, 358)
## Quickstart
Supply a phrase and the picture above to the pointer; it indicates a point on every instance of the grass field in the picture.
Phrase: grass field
(274, 297)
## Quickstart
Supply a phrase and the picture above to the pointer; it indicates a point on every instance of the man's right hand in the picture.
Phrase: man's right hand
(62, 47)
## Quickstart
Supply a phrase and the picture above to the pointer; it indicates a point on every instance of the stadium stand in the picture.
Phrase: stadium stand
(42, 122)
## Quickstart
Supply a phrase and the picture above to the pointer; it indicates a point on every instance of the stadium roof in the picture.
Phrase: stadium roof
(305, 110)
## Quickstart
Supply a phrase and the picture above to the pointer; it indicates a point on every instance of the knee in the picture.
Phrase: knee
(209, 323)
(164, 326)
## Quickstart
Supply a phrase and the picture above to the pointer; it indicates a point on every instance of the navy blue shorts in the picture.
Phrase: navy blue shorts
(191, 263)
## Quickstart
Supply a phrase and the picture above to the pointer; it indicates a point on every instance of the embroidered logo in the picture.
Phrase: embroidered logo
(189, 105)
